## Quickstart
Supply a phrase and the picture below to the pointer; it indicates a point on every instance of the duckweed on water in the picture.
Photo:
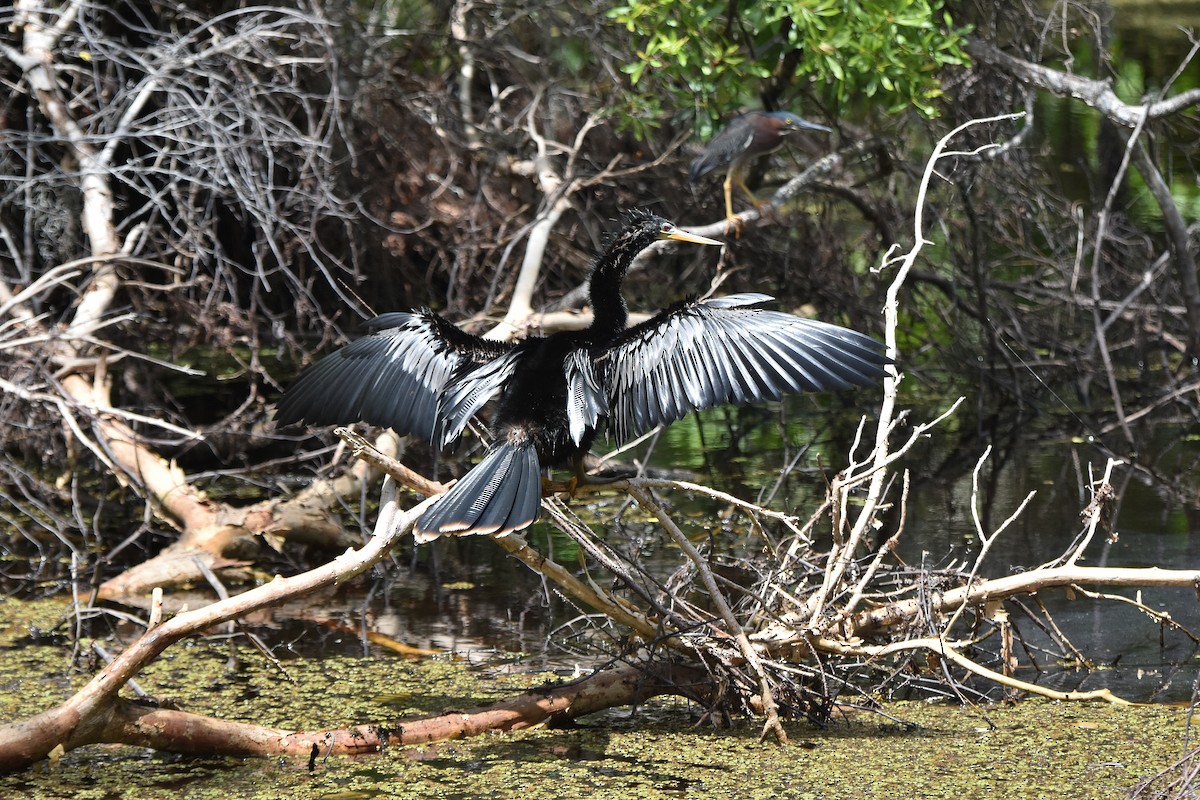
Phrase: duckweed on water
(1038, 749)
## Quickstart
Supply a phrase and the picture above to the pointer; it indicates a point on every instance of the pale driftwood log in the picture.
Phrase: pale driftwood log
(96, 714)
(81, 718)
(224, 536)
(139, 725)
(869, 622)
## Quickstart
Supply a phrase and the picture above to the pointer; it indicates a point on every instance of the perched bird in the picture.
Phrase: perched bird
(749, 136)
(419, 374)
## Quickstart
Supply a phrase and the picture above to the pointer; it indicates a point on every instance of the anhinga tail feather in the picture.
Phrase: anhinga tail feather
(500, 495)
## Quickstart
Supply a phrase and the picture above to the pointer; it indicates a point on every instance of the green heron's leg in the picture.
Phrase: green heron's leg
(732, 222)
(763, 206)
(759, 204)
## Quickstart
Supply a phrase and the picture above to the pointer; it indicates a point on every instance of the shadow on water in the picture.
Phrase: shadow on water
(465, 596)
(1150, 526)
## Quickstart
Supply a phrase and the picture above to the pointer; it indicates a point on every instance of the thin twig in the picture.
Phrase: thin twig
(734, 628)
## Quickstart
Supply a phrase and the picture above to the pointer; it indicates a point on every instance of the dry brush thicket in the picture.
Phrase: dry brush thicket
(174, 188)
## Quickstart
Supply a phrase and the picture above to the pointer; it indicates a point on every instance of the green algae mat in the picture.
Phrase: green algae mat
(1037, 749)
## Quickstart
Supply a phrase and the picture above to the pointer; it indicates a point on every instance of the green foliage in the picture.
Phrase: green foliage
(696, 55)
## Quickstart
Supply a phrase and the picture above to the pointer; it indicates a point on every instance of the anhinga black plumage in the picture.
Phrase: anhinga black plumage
(744, 139)
(419, 374)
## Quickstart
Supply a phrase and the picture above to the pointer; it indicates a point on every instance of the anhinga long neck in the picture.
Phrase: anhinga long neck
(610, 314)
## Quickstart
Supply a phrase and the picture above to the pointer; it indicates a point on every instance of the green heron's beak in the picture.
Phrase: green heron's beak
(790, 123)
(684, 236)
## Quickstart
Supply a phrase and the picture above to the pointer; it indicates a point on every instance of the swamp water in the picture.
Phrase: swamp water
(1035, 749)
(503, 627)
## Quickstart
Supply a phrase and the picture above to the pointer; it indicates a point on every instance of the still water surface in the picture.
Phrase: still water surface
(465, 596)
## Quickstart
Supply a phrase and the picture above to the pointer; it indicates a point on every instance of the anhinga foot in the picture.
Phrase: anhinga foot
(568, 487)
(578, 478)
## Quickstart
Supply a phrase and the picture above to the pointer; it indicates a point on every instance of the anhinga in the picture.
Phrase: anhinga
(419, 374)
(747, 137)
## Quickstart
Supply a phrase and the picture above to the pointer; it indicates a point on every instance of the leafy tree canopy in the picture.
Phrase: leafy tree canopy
(712, 55)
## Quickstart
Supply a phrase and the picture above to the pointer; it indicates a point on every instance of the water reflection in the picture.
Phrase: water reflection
(465, 597)
(1154, 525)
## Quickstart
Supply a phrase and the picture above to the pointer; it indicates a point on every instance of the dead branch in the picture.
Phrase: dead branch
(1176, 781)
(1096, 511)
(1100, 95)
(949, 651)
(1097, 94)
(142, 725)
(733, 626)
(80, 719)
(867, 623)
(218, 533)
(1179, 238)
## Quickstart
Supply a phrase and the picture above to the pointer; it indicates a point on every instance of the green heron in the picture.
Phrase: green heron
(419, 374)
(749, 136)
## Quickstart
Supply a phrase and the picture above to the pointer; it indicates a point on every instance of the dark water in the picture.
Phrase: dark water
(1132, 653)
(466, 596)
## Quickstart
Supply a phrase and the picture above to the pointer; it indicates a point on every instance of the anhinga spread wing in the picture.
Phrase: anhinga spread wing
(419, 374)
(702, 354)
(397, 377)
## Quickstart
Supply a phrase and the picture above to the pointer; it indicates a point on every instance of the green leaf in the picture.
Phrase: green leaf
(695, 56)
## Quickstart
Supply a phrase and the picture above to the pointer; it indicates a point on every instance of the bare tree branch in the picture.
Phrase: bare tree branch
(1097, 94)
